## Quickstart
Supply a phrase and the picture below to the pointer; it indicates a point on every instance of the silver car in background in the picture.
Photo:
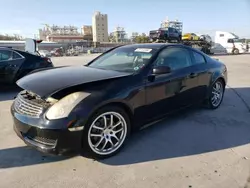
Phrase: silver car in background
(44, 53)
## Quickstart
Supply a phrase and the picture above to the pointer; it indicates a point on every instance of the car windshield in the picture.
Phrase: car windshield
(153, 32)
(234, 35)
(124, 59)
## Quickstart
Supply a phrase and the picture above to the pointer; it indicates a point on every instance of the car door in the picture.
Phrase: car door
(229, 45)
(169, 92)
(201, 68)
(10, 62)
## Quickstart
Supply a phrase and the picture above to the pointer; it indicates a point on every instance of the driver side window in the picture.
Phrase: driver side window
(174, 57)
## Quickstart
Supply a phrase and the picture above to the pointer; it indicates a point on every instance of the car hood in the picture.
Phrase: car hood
(48, 82)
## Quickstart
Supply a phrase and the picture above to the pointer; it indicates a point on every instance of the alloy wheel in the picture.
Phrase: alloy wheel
(107, 133)
(217, 94)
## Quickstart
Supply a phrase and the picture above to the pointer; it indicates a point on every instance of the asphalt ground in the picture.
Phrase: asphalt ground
(199, 148)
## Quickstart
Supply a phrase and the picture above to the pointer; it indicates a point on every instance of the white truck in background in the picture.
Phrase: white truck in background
(224, 42)
(31, 45)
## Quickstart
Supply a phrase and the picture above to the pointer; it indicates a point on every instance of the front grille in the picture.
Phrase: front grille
(42, 140)
(30, 105)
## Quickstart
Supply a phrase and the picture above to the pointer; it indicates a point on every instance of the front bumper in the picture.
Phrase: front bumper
(54, 141)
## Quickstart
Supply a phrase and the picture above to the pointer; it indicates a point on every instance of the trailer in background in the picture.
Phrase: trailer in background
(202, 45)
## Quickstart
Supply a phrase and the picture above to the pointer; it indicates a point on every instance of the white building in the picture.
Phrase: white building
(175, 24)
(100, 27)
(57, 33)
(119, 35)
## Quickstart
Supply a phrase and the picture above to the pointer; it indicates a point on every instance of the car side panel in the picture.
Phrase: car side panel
(106, 93)
(170, 92)
(204, 73)
(161, 94)
(9, 69)
(217, 70)
(204, 77)
(32, 63)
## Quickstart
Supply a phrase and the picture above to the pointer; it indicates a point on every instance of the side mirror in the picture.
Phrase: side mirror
(161, 70)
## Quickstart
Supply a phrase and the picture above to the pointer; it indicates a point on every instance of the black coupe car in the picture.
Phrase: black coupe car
(96, 106)
(14, 64)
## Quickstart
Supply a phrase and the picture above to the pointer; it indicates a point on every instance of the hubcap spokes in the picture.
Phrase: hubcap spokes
(217, 93)
(107, 133)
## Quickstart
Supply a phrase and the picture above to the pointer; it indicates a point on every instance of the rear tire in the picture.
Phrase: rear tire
(216, 95)
(106, 132)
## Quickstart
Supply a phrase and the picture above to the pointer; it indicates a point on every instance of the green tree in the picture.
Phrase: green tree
(142, 39)
(11, 37)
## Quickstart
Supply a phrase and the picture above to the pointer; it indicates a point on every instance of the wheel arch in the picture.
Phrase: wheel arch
(223, 80)
(218, 77)
(126, 107)
(214, 78)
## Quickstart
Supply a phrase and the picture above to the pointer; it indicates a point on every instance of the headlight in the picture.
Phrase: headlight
(63, 107)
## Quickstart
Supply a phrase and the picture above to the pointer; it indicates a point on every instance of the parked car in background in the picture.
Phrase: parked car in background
(218, 49)
(168, 34)
(72, 52)
(206, 38)
(57, 52)
(14, 64)
(44, 53)
(96, 106)
(190, 36)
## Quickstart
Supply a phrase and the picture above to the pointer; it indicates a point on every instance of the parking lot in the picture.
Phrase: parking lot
(199, 148)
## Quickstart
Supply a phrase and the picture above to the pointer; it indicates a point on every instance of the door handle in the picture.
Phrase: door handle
(192, 75)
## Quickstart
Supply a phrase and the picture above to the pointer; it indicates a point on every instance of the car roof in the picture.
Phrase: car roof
(9, 48)
(158, 46)
(6, 48)
(22, 52)
(152, 45)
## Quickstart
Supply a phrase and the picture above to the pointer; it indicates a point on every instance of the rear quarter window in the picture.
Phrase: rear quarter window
(198, 58)
(16, 56)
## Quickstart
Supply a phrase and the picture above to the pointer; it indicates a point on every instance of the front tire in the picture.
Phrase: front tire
(106, 132)
(236, 51)
(216, 94)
